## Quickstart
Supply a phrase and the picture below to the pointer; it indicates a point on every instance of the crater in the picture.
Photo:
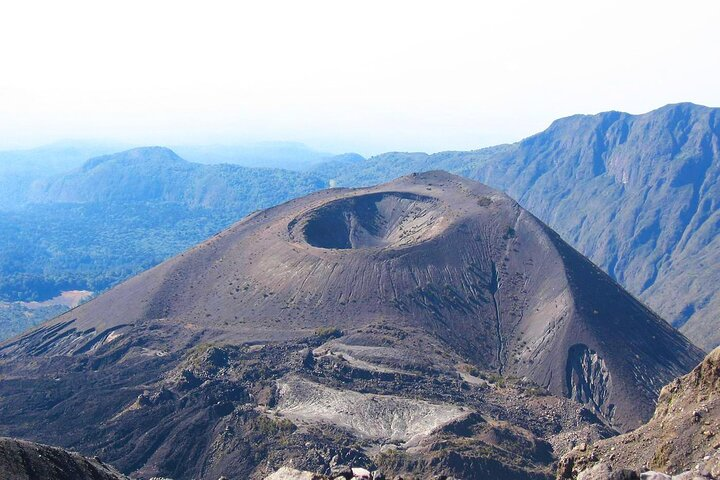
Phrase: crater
(376, 220)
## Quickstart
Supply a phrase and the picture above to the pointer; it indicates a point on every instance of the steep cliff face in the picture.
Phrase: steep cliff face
(389, 315)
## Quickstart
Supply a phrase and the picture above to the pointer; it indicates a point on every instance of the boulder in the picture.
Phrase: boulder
(601, 471)
(341, 471)
(654, 476)
(361, 473)
(604, 471)
(691, 476)
(287, 473)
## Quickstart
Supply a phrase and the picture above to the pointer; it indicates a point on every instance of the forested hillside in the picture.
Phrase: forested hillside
(118, 215)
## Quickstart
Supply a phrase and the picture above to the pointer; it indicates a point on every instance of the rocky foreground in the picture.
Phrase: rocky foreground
(340, 473)
(20, 460)
(682, 440)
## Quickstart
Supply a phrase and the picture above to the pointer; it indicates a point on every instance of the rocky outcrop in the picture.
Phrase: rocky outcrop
(338, 473)
(683, 435)
(287, 473)
(21, 460)
(588, 380)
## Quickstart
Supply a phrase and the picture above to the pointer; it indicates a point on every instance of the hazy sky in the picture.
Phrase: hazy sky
(343, 76)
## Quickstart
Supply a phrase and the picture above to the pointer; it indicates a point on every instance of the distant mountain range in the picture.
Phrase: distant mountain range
(637, 194)
(20, 168)
(286, 155)
(158, 175)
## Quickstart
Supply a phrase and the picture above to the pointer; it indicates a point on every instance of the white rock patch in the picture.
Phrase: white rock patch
(381, 417)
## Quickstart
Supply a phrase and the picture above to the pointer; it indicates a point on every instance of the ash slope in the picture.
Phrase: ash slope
(424, 278)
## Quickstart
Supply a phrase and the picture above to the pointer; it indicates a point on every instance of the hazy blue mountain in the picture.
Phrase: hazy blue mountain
(287, 155)
(356, 171)
(157, 174)
(638, 194)
(20, 168)
(119, 214)
(54, 158)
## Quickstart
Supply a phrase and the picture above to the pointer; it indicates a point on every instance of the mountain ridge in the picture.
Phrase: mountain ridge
(158, 174)
(21, 460)
(600, 181)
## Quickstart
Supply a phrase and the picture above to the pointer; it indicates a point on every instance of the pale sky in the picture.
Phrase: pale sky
(365, 76)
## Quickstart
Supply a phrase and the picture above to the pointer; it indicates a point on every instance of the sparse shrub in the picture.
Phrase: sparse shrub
(494, 378)
(537, 391)
(470, 370)
(328, 332)
(271, 426)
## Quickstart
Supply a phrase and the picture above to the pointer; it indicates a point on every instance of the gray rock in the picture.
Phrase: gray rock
(604, 471)
(601, 471)
(287, 473)
(654, 476)
(691, 476)
(341, 471)
(361, 473)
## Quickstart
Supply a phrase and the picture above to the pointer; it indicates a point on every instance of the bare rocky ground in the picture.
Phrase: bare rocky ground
(21, 460)
(424, 327)
(682, 438)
